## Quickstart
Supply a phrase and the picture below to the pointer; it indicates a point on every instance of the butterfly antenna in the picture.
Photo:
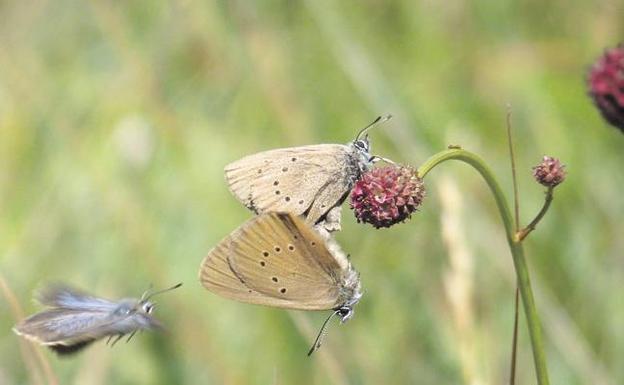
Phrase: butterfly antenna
(321, 334)
(380, 119)
(146, 297)
(146, 293)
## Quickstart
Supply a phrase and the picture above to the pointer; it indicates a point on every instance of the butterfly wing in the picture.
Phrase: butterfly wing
(69, 330)
(77, 320)
(62, 296)
(296, 180)
(277, 260)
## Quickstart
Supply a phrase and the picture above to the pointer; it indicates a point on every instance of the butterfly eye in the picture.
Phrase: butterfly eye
(361, 144)
(148, 307)
(345, 313)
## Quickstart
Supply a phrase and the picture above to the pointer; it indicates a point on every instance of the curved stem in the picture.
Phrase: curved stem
(517, 251)
(531, 226)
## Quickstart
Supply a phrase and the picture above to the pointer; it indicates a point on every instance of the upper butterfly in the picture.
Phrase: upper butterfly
(307, 180)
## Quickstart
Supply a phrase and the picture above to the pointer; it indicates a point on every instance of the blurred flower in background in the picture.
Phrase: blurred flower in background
(606, 85)
(387, 195)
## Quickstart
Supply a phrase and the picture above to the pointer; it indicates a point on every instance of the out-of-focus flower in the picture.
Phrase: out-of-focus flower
(387, 195)
(550, 172)
(606, 85)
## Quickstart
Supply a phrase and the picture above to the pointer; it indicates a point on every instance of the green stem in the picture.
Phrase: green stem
(531, 226)
(517, 251)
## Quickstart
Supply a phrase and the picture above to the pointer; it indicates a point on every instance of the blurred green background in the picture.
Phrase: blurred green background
(117, 118)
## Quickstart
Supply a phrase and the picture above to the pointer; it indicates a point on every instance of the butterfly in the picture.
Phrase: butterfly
(276, 259)
(307, 180)
(73, 319)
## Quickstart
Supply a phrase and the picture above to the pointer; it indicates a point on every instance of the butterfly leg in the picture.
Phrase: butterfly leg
(375, 159)
(331, 222)
(332, 219)
(130, 336)
(119, 336)
(109, 339)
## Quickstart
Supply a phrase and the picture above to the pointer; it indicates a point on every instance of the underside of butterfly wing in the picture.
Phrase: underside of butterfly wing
(67, 330)
(64, 331)
(299, 180)
(275, 260)
(59, 295)
(216, 275)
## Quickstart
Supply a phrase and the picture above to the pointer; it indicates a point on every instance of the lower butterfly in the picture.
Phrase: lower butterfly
(276, 259)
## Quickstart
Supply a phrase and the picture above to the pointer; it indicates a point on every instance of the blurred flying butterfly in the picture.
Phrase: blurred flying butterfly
(73, 319)
(308, 180)
(276, 259)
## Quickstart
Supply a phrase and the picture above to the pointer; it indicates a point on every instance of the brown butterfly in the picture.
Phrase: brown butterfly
(307, 180)
(276, 259)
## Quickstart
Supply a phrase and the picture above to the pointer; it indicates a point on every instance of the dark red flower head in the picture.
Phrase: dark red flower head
(606, 85)
(387, 195)
(550, 172)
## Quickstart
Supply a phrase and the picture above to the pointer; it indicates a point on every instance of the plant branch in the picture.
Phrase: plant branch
(520, 235)
(512, 157)
(517, 251)
(514, 343)
(513, 171)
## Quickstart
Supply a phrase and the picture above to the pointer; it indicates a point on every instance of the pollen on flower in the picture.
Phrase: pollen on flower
(606, 85)
(550, 172)
(387, 195)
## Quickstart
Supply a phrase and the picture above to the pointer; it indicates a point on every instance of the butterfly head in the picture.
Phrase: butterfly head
(362, 145)
(345, 313)
(145, 306)
(351, 291)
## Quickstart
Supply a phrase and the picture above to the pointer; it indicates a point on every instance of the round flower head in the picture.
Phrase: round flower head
(387, 195)
(550, 172)
(606, 85)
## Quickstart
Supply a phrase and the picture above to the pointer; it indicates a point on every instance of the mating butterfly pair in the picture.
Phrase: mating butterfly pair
(285, 256)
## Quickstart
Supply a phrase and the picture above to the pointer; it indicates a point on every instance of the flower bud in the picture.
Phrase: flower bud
(387, 195)
(606, 85)
(550, 172)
